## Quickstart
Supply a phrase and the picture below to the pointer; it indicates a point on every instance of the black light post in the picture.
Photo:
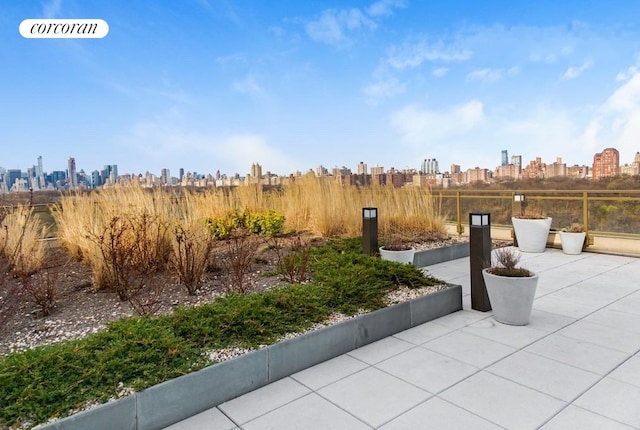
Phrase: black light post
(369, 230)
(479, 256)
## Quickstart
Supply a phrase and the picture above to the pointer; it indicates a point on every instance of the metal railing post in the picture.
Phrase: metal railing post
(459, 213)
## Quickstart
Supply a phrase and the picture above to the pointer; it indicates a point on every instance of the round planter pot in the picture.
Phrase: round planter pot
(572, 242)
(511, 298)
(404, 257)
(531, 234)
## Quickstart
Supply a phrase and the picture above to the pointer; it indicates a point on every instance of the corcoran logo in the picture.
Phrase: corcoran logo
(64, 28)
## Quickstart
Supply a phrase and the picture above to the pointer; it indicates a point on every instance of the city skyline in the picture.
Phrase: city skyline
(606, 163)
(209, 85)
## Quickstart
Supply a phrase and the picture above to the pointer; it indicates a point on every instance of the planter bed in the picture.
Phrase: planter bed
(172, 401)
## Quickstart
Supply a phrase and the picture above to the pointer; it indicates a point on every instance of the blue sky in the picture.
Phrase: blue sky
(220, 84)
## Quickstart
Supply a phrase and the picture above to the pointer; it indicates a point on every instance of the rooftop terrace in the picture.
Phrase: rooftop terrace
(576, 365)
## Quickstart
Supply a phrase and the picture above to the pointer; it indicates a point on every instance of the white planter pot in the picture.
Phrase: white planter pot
(404, 257)
(531, 234)
(511, 298)
(572, 242)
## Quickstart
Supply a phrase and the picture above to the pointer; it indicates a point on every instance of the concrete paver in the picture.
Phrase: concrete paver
(576, 365)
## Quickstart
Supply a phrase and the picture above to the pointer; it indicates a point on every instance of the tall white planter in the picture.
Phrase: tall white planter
(404, 257)
(511, 298)
(572, 242)
(531, 234)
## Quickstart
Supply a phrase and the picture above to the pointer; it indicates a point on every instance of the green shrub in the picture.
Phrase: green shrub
(269, 223)
(138, 352)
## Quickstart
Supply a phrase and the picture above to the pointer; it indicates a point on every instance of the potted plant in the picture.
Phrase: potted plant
(395, 248)
(511, 289)
(531, 229)
(572, 239)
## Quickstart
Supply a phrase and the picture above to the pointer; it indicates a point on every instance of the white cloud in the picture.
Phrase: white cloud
(248, 85)
(574, 72)
(411, 55)
(384, 88)
(385, 7)
(617, 123)
(333, 26)
(485, 75)
(163, 143)
(52, 9)
(439, 72)
(422, 126)
(488, 75)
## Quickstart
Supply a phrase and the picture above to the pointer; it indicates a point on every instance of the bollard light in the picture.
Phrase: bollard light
(369, 231)
(479, 256)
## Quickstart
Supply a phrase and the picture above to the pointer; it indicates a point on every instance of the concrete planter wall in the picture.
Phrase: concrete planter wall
(429, 257)
(172, 401)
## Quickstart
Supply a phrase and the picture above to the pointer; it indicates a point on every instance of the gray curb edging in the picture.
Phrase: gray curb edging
(180, 398)
(429, 257)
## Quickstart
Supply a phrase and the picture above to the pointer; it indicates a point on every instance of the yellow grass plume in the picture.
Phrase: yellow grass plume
(21, 240)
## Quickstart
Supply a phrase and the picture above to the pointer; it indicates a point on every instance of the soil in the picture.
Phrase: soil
(79, 309)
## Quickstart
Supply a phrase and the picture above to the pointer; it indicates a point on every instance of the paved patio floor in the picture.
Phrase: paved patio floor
(575, 366)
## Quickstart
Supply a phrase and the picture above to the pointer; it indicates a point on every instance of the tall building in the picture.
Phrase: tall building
(606, 163)
(362, 168)
(516, 160)
(377, 170)
(556, 169)
(165, 176)
(40, 174)
(12, 176)
(72, 174)
(505, 158)
(429, 165)
(256, 171)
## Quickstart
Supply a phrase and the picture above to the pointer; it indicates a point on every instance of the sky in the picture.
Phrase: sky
(209, 85)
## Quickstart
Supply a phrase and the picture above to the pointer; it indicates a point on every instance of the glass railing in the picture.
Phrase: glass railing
(614, 212)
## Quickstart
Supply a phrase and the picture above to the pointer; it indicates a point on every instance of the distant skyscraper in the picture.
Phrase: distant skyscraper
(40, 174)
(71, 171)
(181, 174)
(256, 170)
(505, 158)
(11, 176)
(606, 163)
(429, 165)
(516, 160)
(362, 168)
(165, 176)
(377, 170)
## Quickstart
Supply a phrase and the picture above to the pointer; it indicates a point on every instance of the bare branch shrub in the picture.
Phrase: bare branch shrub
(241, 247)
(146, 297)
(42, 289)
(10, 295)
(126, 253)
(505, 263)
(292, 262)
(192, 245)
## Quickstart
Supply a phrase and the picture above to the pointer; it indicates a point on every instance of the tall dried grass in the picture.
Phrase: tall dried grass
(21, 241)
(318, 205)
